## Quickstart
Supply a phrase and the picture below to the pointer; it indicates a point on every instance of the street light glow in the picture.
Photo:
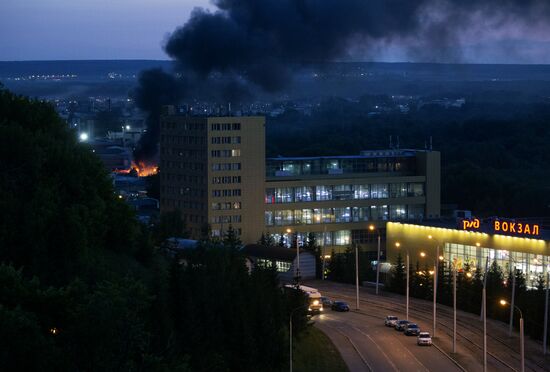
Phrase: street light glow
(397, 244)
(422, 254)
(83, 136)
(503, 302)
(371, 227)
(441, 258)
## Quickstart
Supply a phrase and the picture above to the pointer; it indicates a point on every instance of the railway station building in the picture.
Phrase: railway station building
(472, 244)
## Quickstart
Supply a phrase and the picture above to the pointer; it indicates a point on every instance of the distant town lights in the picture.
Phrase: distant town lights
(83, 136)
(127, 127)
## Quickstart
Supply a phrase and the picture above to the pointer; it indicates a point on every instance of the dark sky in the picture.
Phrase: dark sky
(137, 29)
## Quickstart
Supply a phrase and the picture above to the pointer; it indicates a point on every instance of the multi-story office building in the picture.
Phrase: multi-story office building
(214, 170)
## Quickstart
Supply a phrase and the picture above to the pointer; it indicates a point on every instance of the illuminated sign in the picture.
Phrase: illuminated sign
(511, 227)
(500, 226)
(471, 224)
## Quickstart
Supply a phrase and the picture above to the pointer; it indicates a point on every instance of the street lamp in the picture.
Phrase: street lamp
(289, 231)
(372, 228)
(436, 266)
(511, 325)
(453, 265)
(356, 276)
(397, 244)
(521, 339)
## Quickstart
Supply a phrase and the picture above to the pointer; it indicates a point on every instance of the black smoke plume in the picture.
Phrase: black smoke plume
(264, 42)
(263, 39)
(156, 88)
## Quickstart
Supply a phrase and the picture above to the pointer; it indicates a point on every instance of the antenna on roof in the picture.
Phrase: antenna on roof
(391, 145)
(431, 147)
(229, 108)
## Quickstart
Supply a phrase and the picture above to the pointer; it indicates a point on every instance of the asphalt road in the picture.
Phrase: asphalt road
(367, 345)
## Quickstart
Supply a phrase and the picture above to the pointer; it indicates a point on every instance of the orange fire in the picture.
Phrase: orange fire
(144, 170)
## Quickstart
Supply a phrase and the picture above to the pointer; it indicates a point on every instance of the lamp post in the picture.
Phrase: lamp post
(289, 231)
(356, 276)
(511, 325)
(521, 338)
(372, 228)
(290, 328)
(324, 253)
(453, 265)
(436, 269)
(545, 334)
(397, 244)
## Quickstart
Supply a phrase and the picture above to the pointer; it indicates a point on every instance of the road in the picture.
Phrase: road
(367, 345)
(362, 335)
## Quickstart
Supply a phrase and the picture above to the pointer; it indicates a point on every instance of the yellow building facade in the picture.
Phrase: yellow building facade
(469, 249)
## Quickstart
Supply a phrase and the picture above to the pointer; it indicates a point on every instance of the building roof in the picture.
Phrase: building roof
(364, 155)
(272, 253)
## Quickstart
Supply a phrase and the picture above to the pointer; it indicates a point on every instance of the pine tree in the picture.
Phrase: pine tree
(397, 282)
(231, 239)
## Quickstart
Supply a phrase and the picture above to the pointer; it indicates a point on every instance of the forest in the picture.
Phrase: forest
(84, 286)
(494, 152)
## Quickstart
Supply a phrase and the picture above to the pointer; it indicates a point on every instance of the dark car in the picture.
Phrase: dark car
(340, 306)
(412, 329)
(326, 301)
(400, 325)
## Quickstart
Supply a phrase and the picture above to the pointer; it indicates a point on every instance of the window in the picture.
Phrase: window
(304, 193)
(236, 126)
(379, 191)
(398, 212)
(398, 190)
(361, 214)
(323, 193)
(235, 153)
(269, 218)
(361, 192)
(270, 196)
(284, 195)
(342, 215)
(379, 212)
(416, 189)
(342, 237)
(342, 192)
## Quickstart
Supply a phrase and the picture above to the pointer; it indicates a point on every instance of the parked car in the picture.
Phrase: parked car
(400, 325)
(340, 306)
(424, 338)
(326, 301)
(412, 329)
(390, 321)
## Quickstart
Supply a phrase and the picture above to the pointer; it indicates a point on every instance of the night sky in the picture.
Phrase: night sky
(138, 29)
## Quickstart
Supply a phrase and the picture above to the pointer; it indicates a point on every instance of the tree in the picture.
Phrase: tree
(397, 282)
(170, 225)
(231, 239)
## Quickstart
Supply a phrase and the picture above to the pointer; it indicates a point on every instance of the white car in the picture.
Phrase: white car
(424, 338)
(390, 321)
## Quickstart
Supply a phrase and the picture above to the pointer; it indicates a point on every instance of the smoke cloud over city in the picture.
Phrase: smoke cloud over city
(265, 42)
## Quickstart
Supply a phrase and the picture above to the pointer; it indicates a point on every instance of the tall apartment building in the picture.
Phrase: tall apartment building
(214, 170)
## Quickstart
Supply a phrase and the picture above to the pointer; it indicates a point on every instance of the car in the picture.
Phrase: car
(326, 301)
(340, 306)
(400, 325)
(424, 338)
(412, 329)
(390, 321)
